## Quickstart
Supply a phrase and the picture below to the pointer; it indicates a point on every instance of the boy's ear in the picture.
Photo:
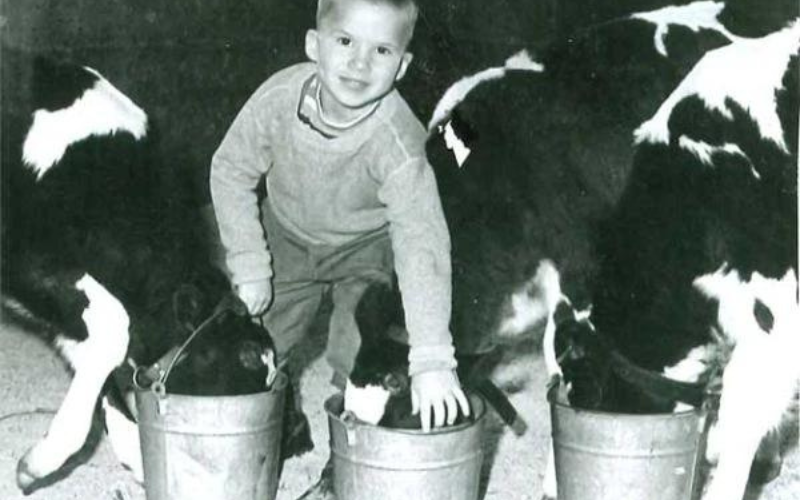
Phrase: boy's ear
(404, 63)
(312, 45)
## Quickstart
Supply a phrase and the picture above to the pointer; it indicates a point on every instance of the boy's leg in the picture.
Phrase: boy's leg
(293, 310)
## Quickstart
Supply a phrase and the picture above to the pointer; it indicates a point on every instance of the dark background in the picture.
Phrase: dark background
(191, 64)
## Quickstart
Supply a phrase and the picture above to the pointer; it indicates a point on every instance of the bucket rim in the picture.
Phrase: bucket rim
(554, 401)
(335, 403)
(281, 380)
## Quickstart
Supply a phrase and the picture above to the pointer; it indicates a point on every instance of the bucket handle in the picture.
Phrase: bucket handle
(160, 375)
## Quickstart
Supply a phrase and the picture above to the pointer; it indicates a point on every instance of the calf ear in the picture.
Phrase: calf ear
(232, 302)
(395, 384)
(187, 305)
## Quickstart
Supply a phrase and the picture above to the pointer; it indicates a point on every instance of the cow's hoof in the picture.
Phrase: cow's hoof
(297, 436)
(323, 488)
(25, 478)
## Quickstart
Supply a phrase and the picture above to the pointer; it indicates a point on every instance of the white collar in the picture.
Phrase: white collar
(339, 125)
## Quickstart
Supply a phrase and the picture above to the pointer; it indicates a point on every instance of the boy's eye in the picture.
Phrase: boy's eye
(384, 51)
(344, 41)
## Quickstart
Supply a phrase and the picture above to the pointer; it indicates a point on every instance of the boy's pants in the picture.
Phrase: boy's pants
(303, 273)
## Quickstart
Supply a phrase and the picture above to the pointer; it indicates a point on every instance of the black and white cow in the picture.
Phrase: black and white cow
(546, 158)
(96, 245)
(699, 259)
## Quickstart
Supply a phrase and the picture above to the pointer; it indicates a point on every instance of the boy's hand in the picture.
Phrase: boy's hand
(438, 391)
(256, 295)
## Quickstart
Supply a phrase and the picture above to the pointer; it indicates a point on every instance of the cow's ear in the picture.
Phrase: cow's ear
(232, 302)
(187, 305)
(395, 383)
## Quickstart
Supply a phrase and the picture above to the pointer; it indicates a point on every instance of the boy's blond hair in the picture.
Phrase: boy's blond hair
(325, 7)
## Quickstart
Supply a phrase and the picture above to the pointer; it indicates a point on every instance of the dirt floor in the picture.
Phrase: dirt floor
(34, 380)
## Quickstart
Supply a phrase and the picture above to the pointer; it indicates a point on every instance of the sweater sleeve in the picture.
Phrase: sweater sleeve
(241, 160)
(421, 245)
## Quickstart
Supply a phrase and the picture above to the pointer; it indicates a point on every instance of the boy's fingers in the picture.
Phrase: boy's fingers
(463, 402)
(425, 417)
(452, 408)
(438, 413)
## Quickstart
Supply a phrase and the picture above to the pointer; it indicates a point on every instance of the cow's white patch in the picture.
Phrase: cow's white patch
(705, 151)
(760, 380)
(123, 434)
(522, 60)
(101, 110)
(533, 302)
(727, 73)
(695, 16)
(692, 366)
(368, 403)
(455, 144)
(93, 359)
(460, 89)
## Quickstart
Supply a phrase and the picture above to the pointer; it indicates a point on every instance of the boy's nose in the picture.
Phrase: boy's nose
(360, 59)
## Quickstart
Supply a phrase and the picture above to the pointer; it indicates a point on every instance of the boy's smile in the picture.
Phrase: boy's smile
(360, 51)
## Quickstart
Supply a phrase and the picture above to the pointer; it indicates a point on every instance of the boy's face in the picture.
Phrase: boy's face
(360, 51)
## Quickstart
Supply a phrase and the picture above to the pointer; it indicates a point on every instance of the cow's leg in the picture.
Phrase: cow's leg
(760, 379)
(549, 486)
(92, 359)
(123, 434)
(752, 402)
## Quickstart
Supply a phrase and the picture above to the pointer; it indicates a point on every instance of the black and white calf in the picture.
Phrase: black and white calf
(542, 155)
(378, 390)
(96, 246)
(699, 269)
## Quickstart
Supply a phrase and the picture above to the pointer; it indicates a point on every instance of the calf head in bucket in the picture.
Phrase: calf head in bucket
(585, 370)
(379, 387)
(228, 353)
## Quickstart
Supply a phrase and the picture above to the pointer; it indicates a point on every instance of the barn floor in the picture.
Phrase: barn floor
(34, 380)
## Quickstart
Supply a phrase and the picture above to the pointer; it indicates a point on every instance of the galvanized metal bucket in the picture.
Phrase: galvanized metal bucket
(371, 462)
(211, 447)
(613, 456)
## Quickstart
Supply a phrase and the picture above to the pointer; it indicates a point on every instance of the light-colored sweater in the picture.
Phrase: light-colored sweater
(328, 189)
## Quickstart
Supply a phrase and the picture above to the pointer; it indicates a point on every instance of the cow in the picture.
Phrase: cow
(378, 386)
(533, 163)
(100, 251)
(698, 278)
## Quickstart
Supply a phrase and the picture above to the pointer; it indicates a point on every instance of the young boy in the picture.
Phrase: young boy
(350, 197)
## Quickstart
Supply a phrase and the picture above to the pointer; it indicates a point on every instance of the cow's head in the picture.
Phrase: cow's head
(584, 367)
(229, 354)
(378, 389)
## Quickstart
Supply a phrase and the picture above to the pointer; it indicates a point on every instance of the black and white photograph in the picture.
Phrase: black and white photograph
(399, 250)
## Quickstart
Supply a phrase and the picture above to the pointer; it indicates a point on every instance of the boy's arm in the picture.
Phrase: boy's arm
(421, 245)
(241, 160)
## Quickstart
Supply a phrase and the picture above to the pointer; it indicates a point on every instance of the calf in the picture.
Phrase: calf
(96, 245)
(378, 388)
(542, 157)
(699, 273)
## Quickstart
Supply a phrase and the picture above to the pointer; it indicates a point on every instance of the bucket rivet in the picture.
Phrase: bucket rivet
(351, 436)
(161, 406)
